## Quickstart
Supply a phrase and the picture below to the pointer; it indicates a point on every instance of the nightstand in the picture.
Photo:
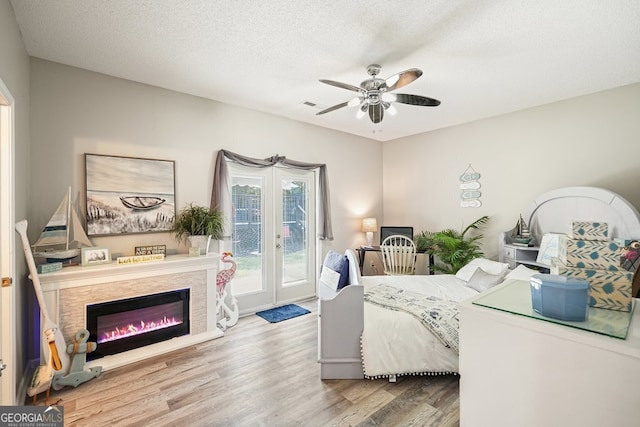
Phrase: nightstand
(527, 255)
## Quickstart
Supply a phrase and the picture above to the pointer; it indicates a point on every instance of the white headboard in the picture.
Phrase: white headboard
(553, 212)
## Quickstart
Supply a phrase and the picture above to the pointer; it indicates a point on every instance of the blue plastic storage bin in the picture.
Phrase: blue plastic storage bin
(560, 297)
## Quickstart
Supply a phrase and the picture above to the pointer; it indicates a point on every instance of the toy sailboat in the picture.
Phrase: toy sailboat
(63, 236)
(521, 233)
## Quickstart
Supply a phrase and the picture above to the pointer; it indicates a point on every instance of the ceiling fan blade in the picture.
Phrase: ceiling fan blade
(342, 85)
(422, 101)
(402, 79)
(354, 102)
(376, 112)
(335, 107)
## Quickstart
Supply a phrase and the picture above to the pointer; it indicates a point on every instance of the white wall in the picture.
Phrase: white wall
(14, 72)
(592, 140)
(75, 111)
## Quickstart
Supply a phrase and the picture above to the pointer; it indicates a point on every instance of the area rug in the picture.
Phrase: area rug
(278, 314)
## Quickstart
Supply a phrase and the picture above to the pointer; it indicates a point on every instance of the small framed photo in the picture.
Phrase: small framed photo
(94, 256)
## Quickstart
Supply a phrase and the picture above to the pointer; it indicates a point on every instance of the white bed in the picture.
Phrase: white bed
(396, 342)
(365, 340)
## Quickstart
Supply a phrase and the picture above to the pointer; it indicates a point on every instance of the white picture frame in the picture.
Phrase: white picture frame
(95, 256)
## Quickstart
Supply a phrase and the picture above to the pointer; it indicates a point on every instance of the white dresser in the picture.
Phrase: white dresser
(521, 371)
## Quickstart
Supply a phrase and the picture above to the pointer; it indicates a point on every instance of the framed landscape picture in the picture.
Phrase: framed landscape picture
(128, 195)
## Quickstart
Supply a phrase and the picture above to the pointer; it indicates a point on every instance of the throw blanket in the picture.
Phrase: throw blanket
(437, 315)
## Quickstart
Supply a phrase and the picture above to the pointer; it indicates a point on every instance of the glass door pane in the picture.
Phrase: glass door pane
(294, 238)
(295, 241)
(246, 235)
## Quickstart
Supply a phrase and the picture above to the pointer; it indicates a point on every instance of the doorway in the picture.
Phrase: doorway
(7, 245)
(273, 235)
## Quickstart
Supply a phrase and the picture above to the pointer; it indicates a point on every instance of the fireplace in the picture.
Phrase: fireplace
(127, 324)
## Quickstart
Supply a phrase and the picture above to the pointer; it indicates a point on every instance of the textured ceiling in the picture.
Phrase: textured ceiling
(480, 58)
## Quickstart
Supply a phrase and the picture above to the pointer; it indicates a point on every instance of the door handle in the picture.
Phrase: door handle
(278, 245)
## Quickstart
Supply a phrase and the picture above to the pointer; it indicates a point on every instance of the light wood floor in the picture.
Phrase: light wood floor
(258, 374)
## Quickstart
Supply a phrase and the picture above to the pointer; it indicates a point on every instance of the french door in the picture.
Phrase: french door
(273, 241)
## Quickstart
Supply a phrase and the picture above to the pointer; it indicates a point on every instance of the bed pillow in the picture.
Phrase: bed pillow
(481, 280)
(354, 267)
(335, 271)
(521, 272)
(491, 267)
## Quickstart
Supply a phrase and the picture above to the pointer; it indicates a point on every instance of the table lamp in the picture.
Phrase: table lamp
(369, 225)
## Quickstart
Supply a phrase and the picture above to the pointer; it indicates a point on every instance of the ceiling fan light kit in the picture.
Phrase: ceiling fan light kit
(374, 95)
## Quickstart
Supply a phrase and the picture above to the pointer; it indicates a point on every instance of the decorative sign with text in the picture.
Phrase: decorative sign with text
(137, 259)
(151, 250)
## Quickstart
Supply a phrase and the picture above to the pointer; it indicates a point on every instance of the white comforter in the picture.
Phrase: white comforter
(395, 342)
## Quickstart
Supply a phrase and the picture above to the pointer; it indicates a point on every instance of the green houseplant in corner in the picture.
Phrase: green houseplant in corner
(199, 225)
(453, 249)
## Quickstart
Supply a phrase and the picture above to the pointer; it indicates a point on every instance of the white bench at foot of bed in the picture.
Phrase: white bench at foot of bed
(340, 325)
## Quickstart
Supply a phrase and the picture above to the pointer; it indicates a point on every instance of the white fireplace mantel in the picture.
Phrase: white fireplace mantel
(68, 291)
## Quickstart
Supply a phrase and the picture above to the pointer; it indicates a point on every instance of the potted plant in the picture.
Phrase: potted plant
(199, 225)
(452, 248)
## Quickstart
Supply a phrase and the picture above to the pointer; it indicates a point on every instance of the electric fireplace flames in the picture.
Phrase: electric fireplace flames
(130, 327)
(124, 325)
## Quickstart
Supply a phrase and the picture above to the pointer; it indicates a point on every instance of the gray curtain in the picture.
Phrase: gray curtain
(220, 194)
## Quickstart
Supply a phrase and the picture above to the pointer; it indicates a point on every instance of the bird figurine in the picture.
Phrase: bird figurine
(41, 382)
(228, 315)
(225, 275)
(43, 375)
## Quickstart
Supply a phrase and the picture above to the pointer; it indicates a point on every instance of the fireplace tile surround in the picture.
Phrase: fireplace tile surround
(69, 291)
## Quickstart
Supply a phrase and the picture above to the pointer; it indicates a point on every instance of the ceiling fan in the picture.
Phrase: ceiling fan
(374, 95)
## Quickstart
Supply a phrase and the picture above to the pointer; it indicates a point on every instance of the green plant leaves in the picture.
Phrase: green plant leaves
(195, 220)
(453, 249)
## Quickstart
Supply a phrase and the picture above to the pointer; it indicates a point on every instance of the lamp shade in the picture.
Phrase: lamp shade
(369, 225)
